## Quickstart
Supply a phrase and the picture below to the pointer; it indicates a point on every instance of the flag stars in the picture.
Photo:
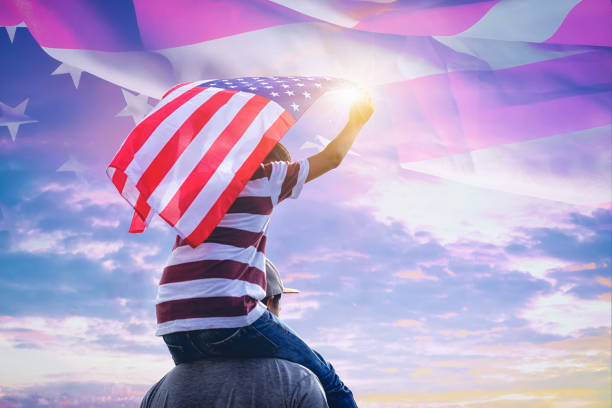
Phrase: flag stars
(300, 84)
(11, 30)
(295, 107)
(306, 94)
(74, 166)
(290, 93)
(273, 93)
(74, 73)
(252, 88)
(318, 85)
(12, 118)
(285, 86)
(136, 106)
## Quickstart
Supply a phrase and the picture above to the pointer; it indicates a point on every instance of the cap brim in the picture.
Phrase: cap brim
(289, 290)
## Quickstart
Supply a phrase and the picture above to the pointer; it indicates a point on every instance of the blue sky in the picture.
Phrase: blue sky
(417, 288)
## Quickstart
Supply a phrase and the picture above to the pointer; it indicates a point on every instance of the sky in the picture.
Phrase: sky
(476, 278)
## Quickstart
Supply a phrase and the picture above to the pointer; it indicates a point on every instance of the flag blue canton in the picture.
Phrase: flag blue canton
(294, 93)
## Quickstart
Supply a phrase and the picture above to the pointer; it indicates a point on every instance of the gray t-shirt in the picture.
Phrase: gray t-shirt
(245, 383)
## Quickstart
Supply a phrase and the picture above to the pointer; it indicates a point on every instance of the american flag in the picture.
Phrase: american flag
(466, 90)
(190, 157)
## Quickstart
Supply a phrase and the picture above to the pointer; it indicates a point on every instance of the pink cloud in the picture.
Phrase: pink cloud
(414, 275)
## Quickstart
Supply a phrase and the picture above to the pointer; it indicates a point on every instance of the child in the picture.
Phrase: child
(208, 302)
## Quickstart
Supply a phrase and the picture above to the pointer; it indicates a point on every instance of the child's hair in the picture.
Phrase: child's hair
(278, 153)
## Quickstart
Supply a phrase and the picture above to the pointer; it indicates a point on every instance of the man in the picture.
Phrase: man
(243, 383)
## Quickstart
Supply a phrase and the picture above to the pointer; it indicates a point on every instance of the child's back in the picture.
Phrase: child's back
(219, 283)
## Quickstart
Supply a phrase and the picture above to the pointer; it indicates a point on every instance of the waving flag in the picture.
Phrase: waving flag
(459, 80)
(189, 159)
(466, 90)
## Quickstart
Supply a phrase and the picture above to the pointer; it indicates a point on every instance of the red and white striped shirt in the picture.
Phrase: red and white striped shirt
(219, 283)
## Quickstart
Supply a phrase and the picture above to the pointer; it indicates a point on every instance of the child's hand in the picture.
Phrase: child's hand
(361, 109)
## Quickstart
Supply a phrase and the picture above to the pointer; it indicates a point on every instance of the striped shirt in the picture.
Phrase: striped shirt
(219, 283)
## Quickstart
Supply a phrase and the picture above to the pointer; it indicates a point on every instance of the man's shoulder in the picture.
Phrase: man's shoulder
(271, 367)
(252, 382)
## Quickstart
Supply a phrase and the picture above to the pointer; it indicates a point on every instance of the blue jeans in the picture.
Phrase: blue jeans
(266, 337)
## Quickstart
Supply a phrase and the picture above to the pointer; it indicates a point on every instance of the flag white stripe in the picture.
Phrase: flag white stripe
(159, 137)
(210, 322)
(207, 197)
(213, 287)
(518, 20)
(198, 147)
(213, 251)
(175, 94)
(343, 48)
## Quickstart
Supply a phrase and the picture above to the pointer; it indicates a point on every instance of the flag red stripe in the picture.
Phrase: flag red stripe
(215, 155)
(141, 133)
(137, 224)
(142, 209)
(119, 179)
(168, 155)
(209, 269)
(204, 307)
(223, 203)
(175, 87)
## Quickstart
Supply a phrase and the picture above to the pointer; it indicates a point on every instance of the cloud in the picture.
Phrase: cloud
(297, 308)
(584, 267)
(64, 242)
(77, 394)
(421, 372)
(414, 274)
(528, 397)
(586, 283)
(587, 241)
(404, 323)
(290, 277)
(80, 347)
(564, 314)
(323, 255)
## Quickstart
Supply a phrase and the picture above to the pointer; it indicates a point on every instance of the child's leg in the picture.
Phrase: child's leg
(266, 337)
(270, 337)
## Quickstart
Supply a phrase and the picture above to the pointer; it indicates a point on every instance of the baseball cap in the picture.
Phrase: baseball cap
(274, 284)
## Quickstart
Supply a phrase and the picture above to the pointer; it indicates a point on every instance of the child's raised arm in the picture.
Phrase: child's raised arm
(333, 154)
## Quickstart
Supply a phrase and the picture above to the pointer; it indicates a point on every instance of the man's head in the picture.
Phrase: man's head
(278, 153)
(274, 289)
